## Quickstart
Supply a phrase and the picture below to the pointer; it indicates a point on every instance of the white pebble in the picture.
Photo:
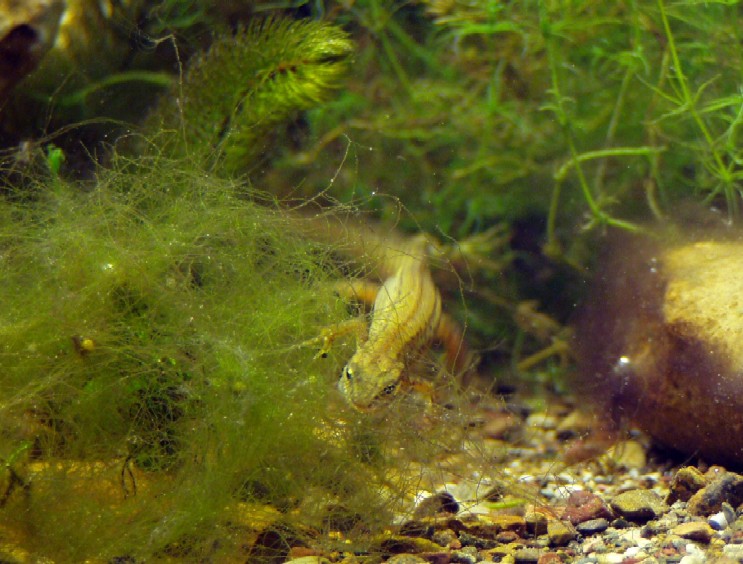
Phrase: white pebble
(718, 521)
(694, 555)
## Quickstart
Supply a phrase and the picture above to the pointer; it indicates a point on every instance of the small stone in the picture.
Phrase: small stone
(442, 502)
(626, 454)
(497, 523)
(718, 521)
(728, 487)
(585, 506)
(479, 543)
(734, 551)
(505, 537)
(527, 555)
(592, 527)
(695, 530)
(639, 505)
(694, 555)
(467, 555)
(729, 512)
(636, 553)
(685, 483)
(436, 557)
(550, 558)
(446, 537)
(560, 533)
(595, 544)
(536, 523)
(406, 559)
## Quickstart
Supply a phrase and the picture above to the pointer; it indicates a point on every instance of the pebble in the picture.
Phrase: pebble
(585, 506)
(403, 559)
(694, 555)
(718, 521)
(536, 523)
(729, 512)
(593, 545)
(527, 555)
(727, 487)
(635, 552)
(627, 454)
(686, 482)
(592, 527)
(442, 502)
(467, 555)
(611, 558)
(694, 530)
(560, 533)
(734, 551)
(639, 505)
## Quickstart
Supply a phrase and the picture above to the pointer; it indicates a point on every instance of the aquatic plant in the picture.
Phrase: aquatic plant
(550, 121)
(235, 97)
(151, 356)
(154, 343)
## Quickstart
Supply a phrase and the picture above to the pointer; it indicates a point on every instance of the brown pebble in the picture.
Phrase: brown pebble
(503, 426)
(560, 533)
(497, 524)
(302, 551)
(437, 557)
(550, 558)
(442, 502)
(687, 481)
(507, 537)
(728, 487)
(585, 506)
(695, 530)
(639, 505)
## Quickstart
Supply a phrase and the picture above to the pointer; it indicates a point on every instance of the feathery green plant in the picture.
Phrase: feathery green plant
(234, 97)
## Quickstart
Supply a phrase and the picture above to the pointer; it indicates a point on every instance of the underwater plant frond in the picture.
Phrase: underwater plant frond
(235, 96)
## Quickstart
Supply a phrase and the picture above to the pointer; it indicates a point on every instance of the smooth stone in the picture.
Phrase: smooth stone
(639, 505)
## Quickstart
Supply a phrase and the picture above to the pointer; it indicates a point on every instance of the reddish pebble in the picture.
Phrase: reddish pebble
(585, 506)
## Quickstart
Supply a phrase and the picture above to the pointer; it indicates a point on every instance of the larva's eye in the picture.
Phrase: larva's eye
(348, 373)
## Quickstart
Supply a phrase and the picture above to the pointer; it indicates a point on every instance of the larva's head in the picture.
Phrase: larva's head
(368, 385)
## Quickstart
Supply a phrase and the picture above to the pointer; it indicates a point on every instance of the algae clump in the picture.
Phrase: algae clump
(153, 383)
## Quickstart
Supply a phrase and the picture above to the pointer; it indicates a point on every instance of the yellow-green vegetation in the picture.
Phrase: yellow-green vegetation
(490, 107)
(552, 120)
(159, 398)
(156, 399)
(249, 85)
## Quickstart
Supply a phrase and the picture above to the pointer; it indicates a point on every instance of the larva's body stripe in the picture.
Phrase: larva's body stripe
(405, 317)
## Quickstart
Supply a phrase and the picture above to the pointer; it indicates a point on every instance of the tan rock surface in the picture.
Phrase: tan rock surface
(659, 344)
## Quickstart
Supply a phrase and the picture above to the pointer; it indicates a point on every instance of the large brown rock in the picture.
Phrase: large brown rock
(660, 343)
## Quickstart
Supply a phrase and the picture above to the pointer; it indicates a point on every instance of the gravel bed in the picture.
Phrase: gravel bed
(625, 505)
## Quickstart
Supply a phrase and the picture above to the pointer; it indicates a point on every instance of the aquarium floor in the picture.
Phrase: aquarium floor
(524, 487)
(511, 496)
